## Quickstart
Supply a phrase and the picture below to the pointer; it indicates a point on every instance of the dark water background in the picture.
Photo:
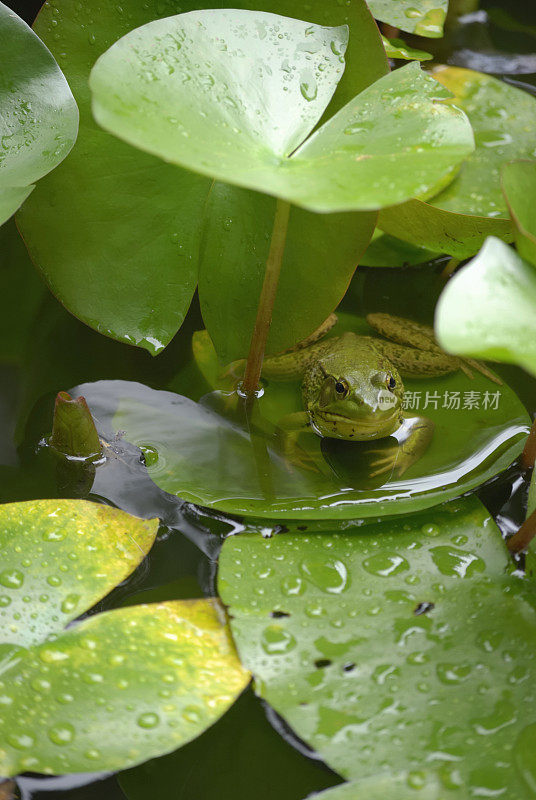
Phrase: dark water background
(250, 752)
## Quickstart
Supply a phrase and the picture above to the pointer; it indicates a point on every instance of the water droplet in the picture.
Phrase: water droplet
(148, 720)
(62, 733)
(386, 564)
(276, 640)
(328, 576)
(70, 603)
(20, 741)
(11, 578)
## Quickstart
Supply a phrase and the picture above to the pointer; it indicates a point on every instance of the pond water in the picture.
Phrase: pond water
(43, 350)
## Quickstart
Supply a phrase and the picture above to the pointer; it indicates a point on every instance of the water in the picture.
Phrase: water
(232, 757)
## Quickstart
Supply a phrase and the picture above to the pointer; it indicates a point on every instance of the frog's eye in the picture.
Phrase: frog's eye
(391, 382)
(341, 387)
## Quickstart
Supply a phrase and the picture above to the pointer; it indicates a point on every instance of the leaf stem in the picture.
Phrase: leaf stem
(521, 540)
(528, 457)
(265, 308)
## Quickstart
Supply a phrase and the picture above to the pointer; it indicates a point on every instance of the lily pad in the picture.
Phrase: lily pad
(397, 48)
(151, 210)
(401, 648)
(519, 187)
(417, 785)
(472, 207)
(204, 452)
(487, 308)
(119, 687)
(421, 17)
(75, 539)
(38, 114)
(388, 251)
(347, 165)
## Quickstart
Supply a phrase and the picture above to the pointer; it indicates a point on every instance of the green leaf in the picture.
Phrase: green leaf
(347, 165)
(73, 431)
(519, 187)
(235, 752)
(38, 114)
(388, 251)
(422, 17)
(308, 289)
(118, 688)
(487, 309)
(206, 455)
(130, 268)
(417, 785)
(398, 648)
(53, 552)
(472, 207)
(114, 689)
(397, 48)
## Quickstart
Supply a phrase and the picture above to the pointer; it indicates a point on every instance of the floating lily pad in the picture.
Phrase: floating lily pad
(397, 48)
(417, 785)
(401, 648)
(118, 687)
(519, 187)
(487, 309)
(472, 207)
(422, 17)
(38, 114)
(151, 210)
(203, 452)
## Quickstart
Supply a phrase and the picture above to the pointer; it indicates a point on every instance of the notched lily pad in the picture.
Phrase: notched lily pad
(119, 687)
(357, 161)
(472, 207)
(205, 453)
(154, 210)
(38, 114)
(385, 634)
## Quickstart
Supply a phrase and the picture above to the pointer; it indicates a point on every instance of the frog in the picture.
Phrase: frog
(352, 386)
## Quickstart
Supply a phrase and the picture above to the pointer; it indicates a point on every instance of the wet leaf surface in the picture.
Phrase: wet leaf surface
(118, 687)
(472, 207)
(369, 644)
(390, 143)
(150, 210)
(38, 114)
(203, 452)
(59, 558)
(416, 785)
(421, 17)
(397, 48)
(487, 308)
(519, 187)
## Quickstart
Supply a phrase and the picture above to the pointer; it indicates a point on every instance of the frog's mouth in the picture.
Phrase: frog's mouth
(336, 426)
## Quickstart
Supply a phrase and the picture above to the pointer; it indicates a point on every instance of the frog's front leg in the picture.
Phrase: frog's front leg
(289, 430)
(413, 439)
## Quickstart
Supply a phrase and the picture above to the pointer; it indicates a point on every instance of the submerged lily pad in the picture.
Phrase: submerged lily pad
(203, 451)
(472, 207)
(146, 208)
(119, 687)
(38, 114)
(370, 644)
(487, 309)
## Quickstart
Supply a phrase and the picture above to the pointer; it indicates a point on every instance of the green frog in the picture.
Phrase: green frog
(352, 386)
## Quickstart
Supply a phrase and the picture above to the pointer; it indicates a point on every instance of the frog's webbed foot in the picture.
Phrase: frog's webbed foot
(414, 437)
(289, 430)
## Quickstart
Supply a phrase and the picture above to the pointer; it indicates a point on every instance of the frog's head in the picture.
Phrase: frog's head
(360, 400)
